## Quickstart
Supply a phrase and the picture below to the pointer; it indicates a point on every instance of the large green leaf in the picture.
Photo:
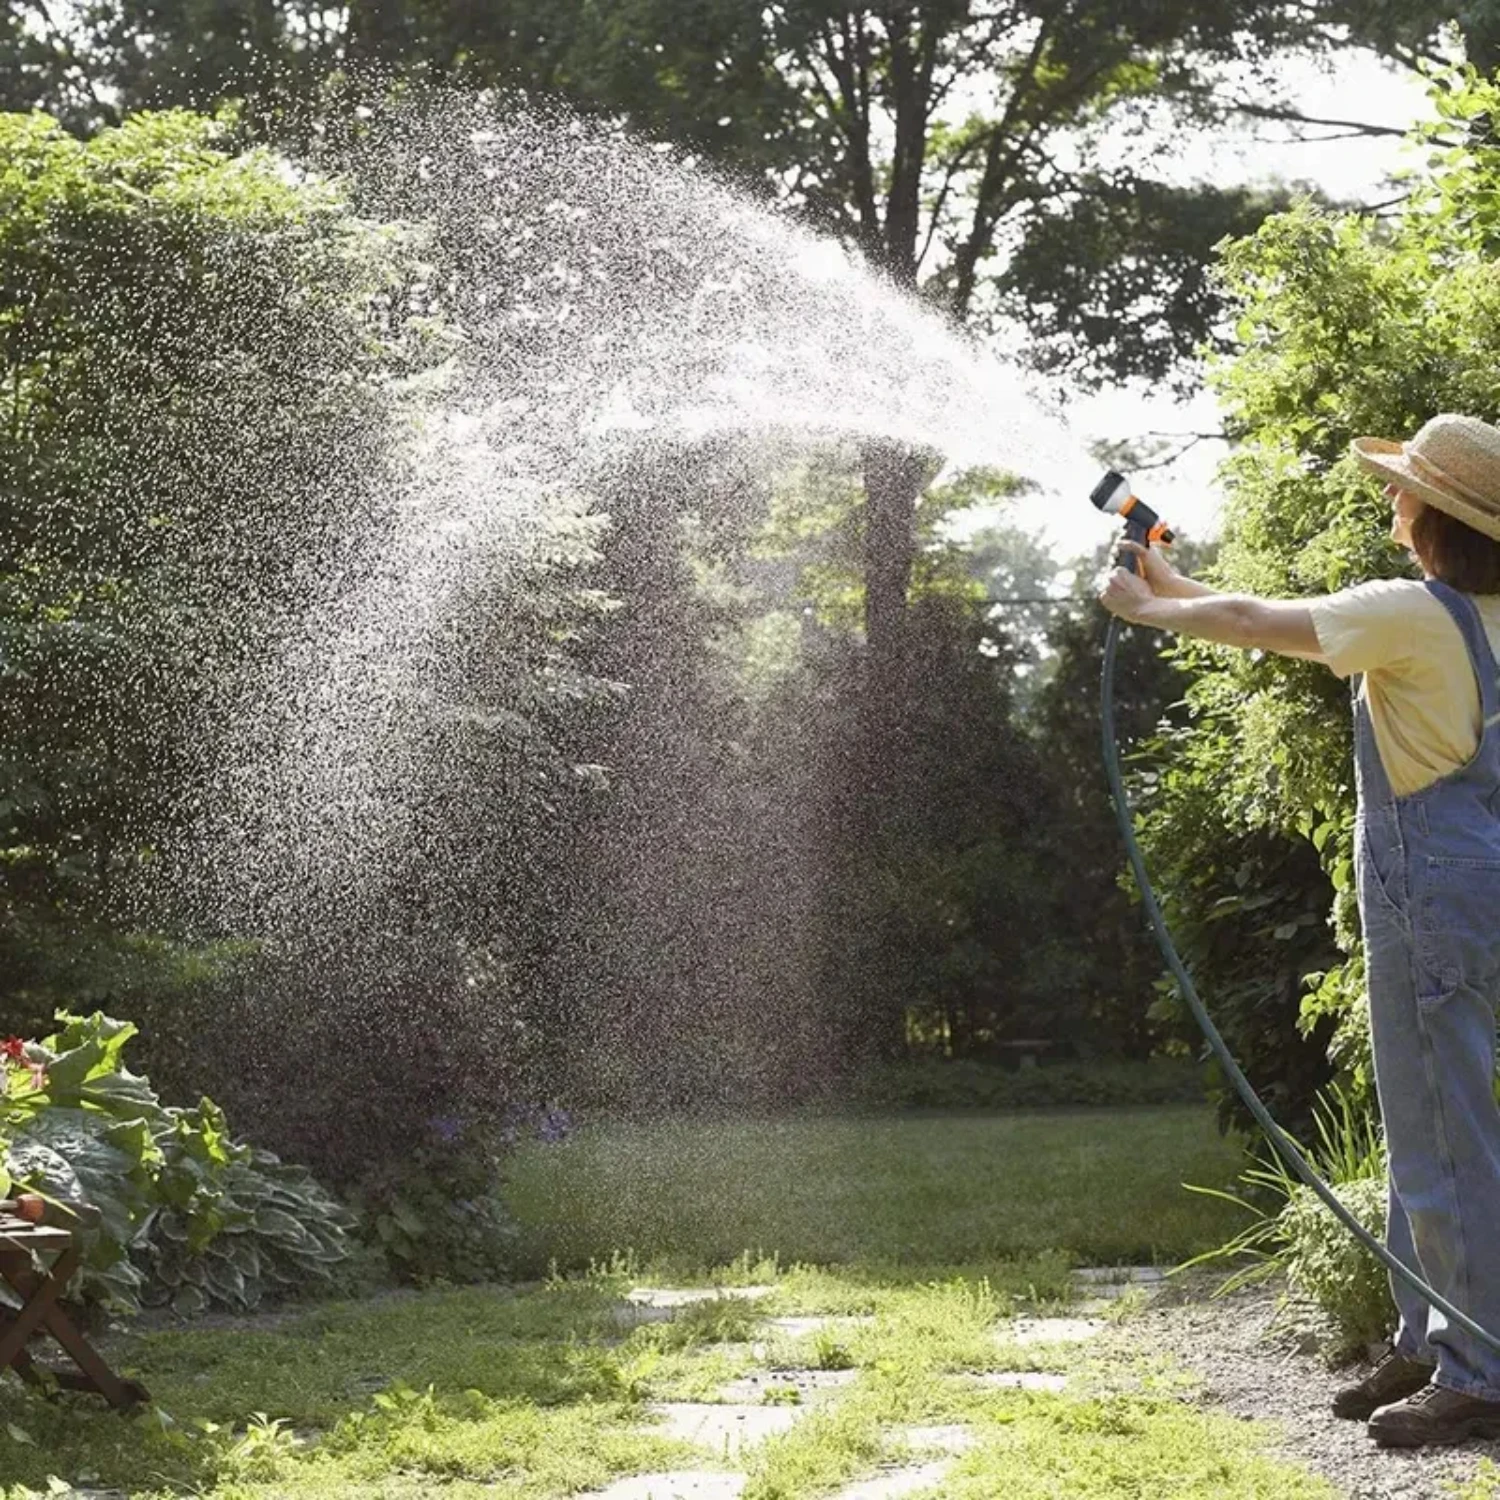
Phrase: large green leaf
(86, 1046)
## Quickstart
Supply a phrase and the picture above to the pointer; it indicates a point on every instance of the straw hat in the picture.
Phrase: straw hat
(1453, 464)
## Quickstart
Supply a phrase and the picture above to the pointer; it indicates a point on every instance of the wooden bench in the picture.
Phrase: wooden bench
(24, 1247)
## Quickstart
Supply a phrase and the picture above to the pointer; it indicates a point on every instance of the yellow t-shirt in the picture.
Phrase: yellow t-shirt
(1419, 683)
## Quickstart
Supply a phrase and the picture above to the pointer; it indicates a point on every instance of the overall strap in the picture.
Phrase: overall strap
(1466, 616)
(1369, 771)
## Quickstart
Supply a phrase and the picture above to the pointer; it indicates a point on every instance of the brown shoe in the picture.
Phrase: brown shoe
(1435, 1415)
(1394, 1377)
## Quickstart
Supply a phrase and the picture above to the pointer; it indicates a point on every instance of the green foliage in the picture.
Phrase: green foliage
(236, 1224)
(838, 108)
(962, 1084)
(187, 1215)
(208, 363)
(437, 1214)
(1088, 283)
(1346, 326)
(990, 799)
(1293, 1232)
(22, 1095)
(1248, 908)
(1326, 1265)
(1114, 961)
(139, 274)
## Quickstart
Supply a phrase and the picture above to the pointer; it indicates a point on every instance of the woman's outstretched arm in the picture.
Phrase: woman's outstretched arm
(1281, 625)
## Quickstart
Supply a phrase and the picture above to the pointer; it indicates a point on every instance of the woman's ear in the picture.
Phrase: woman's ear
(1405, 508)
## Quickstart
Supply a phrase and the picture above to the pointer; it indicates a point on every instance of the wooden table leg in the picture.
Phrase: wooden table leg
(23, 1364)
(39, 1294)
(117, 1392)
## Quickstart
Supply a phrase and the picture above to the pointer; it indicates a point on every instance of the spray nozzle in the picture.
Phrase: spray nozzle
(1114, 497)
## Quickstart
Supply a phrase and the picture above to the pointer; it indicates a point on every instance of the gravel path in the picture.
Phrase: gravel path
(1253, 1369)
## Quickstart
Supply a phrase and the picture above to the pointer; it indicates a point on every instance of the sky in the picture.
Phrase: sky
(1358, 87)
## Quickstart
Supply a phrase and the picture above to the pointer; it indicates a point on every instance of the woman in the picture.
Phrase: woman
(1427, 865)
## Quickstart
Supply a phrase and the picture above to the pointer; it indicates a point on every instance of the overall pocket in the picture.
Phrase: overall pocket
(1380, 878)
(1457, 928)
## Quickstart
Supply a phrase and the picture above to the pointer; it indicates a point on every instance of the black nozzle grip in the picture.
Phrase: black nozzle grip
(1135, 531)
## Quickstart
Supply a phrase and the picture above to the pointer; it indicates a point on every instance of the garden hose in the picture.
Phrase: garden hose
(1283, 1144)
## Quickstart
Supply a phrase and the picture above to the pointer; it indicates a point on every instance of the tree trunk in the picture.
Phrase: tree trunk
(894, 477)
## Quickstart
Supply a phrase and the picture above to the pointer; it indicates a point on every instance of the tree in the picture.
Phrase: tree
(128, 358)
(210, 429)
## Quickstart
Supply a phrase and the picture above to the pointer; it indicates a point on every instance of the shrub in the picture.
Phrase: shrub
(437, 1214)
(187, 1215)
(1329, 1268)
(236, 1223)
(1347, 325)
(978, 1085)
(1297, 1235)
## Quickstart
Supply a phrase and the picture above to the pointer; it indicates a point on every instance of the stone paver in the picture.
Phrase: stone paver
(1120, 1275)
(724, 1428)
(1021, 1380)
(660, 1304)
(676, 1296)
(744, 1417)
(895, 1483)
(686, 1484)
(810, 1385)
(1049, 1330)
(1105, 1284)
(947, 1437)
(798, 1327)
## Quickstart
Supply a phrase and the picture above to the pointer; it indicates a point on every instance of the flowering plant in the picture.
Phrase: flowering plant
(185, 1213)
(23, 1084)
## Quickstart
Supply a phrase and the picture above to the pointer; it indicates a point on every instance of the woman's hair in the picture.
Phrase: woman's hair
(1461, 557)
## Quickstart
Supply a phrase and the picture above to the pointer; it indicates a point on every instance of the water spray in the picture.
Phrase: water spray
(1114, 496)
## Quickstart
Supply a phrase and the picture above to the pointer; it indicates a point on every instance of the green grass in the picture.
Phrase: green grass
(539, 1392)
(1484, 1485)
(1103, 1185)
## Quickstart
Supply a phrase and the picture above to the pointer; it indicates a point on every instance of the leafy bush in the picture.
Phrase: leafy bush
(1295, 1234)
(187, 1215)
(236, 1222)
(1328, 1267)
(164, 298)
(977, 1085)
(1347, 325)
(437, 1215)
(20, 1098)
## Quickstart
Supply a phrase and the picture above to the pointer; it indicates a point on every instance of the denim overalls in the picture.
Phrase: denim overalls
(1427, 870)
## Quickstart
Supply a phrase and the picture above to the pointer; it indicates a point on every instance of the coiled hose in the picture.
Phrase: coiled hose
(1283, 1144)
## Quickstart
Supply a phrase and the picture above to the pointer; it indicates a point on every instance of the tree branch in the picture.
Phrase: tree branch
(857, 132)
(955, 165)
(1193, 439)
(968, 256)
(988, 210)
(911, 60)
(1296, 117)
(60, 38)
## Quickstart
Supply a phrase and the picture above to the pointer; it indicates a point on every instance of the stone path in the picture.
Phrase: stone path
(766, 1403)
(687, 1484)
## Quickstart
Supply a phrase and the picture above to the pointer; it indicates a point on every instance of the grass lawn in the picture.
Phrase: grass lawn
(542, 1391)
(1104, 1186)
